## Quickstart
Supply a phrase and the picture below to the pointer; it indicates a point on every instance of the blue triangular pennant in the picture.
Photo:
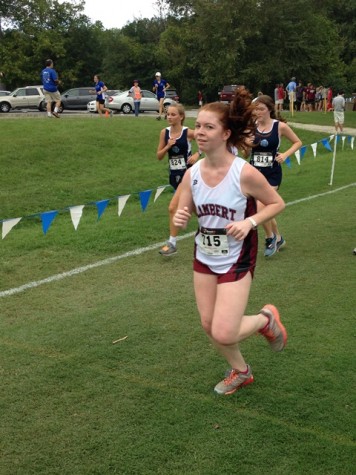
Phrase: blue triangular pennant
(101, 206)
(47, 217)
(288, 162)
(326, 144)
(144, 198)
(302, 151)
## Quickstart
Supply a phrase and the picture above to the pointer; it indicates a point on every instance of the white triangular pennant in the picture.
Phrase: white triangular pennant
(313, 146)
(343, 141)
(331, 138)
(352, 142)
(76, 215)
(297, 156)
(8, 225)
(122, 202)
(159, 190)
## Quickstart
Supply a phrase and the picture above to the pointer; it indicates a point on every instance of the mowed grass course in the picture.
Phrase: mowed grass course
(74, 402)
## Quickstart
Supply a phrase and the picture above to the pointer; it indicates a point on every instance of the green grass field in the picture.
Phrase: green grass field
(320, 118)
(74, 402)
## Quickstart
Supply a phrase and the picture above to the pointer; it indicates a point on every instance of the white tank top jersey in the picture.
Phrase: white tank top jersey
(216, 207)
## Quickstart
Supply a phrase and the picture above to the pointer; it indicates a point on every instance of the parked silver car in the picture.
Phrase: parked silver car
(29, 97)
(124, 103)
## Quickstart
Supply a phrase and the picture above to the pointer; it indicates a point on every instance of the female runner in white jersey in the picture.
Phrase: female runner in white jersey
(223, 189)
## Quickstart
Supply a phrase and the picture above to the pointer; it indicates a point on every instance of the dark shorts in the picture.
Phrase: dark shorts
(101, 101)
(175, 179)
(232, 275)
(273, 175)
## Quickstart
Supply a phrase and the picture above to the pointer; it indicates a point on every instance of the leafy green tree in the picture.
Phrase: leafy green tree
(36, 30)
(260, 42)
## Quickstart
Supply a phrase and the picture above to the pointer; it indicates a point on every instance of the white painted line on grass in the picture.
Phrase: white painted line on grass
(80, 270)
(136, 252)
(319, 195)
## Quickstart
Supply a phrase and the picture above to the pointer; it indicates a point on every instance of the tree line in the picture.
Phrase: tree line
(196, 44)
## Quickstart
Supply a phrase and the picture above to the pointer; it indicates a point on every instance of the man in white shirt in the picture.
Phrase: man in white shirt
(339, 107)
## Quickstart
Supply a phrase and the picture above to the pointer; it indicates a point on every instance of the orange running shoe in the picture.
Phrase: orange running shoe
(234, 380)
(274, 332)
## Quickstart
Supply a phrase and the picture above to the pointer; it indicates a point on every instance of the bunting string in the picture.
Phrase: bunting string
(76, 212)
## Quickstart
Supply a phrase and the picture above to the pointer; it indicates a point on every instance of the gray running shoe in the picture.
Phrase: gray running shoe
(271, 246)
(281, 243)
(233, 381)
(56, 115)
(168, 249)
(275, 333)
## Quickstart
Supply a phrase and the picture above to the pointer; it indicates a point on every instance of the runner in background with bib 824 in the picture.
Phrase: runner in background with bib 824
(175, 141)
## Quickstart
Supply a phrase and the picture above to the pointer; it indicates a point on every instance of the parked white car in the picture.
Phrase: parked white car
(91, 106)
(123, 102)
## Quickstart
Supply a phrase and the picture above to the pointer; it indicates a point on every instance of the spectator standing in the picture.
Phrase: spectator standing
(159, 87)
(200, 98)
(221, 189)
(50, 86)
(338, 104)
(319, 98)
(323, 98)
(291, 90)
(329, 99)
(276, 94)
(281, 94)
(136, 95)
(300, 97)
(310, 97)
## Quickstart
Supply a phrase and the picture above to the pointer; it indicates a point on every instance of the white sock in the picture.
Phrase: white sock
(49, 114)
(173, 240)
(56, 109)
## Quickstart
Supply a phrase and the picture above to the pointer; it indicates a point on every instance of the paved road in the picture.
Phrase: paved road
(322, 128)
(189, 113)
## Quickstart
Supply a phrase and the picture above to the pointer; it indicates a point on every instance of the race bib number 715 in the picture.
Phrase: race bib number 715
(213, 242)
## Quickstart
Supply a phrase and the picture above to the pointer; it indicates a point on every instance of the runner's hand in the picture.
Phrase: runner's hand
(181, 218)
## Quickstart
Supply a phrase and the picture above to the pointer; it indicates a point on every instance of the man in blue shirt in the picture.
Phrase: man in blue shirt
(50, 86)
(291, 89)
(159, 87)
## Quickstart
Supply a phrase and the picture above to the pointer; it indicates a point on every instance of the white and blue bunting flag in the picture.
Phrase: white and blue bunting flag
(8, 224)
(121, 203)
(76, 212)
(47, 218)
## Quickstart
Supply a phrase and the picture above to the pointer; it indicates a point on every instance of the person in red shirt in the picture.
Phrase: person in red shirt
(281, 95)
(310, 97)
(329, 99)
